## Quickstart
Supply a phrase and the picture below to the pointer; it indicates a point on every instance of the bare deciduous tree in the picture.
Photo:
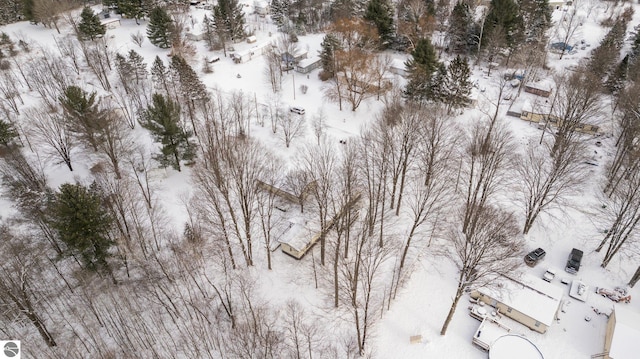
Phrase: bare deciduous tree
(50, 130)
(492, 250)
(292, 125)
(547, 183)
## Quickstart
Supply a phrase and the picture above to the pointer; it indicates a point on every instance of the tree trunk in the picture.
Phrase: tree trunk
(452, 310)
(635, 278)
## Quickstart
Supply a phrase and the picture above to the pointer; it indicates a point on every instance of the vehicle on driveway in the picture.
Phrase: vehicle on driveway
(549, 274)
(573, 262)
(534, 257)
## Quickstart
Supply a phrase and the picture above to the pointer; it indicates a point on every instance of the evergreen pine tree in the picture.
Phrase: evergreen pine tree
(90, 26)
(125, 72)
(329, 45)
(605, 56)
(160, 76)
(7, 132)
(616, 80)
(134, 9)
(139, 67)
(82, 224)
(83, 117)
(162, 118)
(380, 13)
(460, 27)
(420, 68)
(536, 16)
(229, 20)
(159, 28)
(504, 15)
(457, 86)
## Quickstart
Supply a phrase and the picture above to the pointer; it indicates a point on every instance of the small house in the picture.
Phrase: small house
(622, 337)
(261, 7)
(110, 23)
(540, 88)
(251, 39)
(292, 58)
(528, 300)
(307, 65)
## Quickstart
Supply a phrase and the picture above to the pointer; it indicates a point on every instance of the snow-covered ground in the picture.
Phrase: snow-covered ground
(422, 304)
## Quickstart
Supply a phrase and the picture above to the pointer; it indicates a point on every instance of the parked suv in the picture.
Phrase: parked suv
(534, 257)
(573, 263)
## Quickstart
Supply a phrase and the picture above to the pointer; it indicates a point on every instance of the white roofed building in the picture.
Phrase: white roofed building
(528, 300)
(622, 339)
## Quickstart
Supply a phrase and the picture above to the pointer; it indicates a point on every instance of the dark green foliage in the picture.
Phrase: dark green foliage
(460, 28)
(380, 13)
(136, 61)
(27, 9)
(135, 9)
(162, 118)
(90, 26)
(7, 133)
(457, 87)
(228, 20)
(83, 224)
(420, 68)
(159, 28)
(280, 12)
(536, 17)
(82, 115)
(504, 15)
(615, 81)
(327, 54)
(160, 76)
(605, 56)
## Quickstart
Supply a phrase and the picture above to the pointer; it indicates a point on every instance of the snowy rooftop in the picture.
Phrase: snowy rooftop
(625, 343)
(506, 346)
(309, 61)
(530, 296)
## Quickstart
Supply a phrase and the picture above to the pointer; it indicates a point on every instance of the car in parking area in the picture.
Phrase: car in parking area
(549, 274)
(573, 262)
(298, 110)
(534, 257)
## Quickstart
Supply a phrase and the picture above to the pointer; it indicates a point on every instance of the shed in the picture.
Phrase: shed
(622, 338)
(528, 300)
(398, 67)
(307, 65)
(251, 39)
(540, 88)
(110, 23)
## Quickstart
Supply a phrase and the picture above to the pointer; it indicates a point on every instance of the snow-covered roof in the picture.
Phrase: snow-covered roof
(506, 346)
(309, 61)
(546, 84)
(625, 343)
(294, 235)
(530, 296)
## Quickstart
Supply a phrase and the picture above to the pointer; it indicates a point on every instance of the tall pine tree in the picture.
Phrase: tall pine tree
(457, 87)
(380, 13)
(329, 45)
(90, 26)
(228, 20)
(421, 68)
(82, 223)
(460, 28)
(159, 28)
(504, 16)
(162, 118)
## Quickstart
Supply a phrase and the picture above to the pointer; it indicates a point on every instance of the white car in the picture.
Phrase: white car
(298, 110)
(549, 274)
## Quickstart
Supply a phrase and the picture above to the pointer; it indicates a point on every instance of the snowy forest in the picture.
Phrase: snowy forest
(144, 201)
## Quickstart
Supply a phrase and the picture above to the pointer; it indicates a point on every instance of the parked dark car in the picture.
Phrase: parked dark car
(534, 257)
(573, 262)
